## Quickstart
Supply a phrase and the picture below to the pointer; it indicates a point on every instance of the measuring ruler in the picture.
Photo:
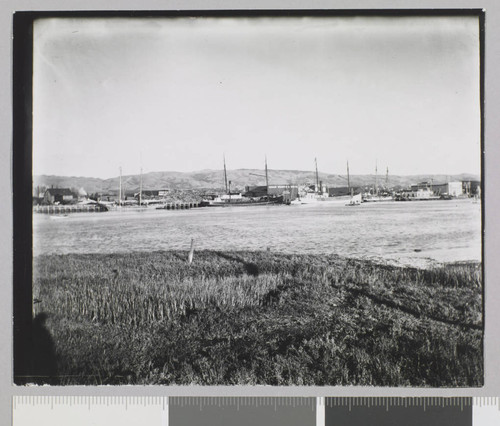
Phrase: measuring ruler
(249, 411)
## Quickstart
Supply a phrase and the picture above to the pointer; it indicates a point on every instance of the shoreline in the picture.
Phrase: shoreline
(413, 263)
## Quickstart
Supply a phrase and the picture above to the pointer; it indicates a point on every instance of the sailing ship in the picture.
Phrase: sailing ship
(310, 195)
(237, 199)
(376, 196)
(357, 199)
(122, 199)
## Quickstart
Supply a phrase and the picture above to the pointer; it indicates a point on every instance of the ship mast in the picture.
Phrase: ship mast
(140, 190)
(376, 182)
(225, 173)
(140, 182)
(267, 180)
(120, 191)
(348, 181)
(318, 189)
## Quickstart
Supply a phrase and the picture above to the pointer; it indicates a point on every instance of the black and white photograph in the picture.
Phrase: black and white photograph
(283, 199)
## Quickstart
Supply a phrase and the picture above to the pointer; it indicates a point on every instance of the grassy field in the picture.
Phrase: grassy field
(255, 318)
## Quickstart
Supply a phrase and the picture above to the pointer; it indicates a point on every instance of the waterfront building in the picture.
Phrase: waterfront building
(471, 187)
(344, 191)
(58, 195)
(290, 191)
(455, 189)
(152, 193)
(452, 189)
(421, 186)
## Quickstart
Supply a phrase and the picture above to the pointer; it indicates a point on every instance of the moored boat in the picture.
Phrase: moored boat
(355, 200)
(240, 202)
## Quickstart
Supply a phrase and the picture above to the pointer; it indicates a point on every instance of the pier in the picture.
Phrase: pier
(178, 206)
(65, 209)
(98, 208)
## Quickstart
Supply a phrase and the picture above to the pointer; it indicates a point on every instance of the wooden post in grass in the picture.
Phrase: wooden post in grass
(191, 251)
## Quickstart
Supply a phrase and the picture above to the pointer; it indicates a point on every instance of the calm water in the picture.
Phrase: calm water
(415, 233)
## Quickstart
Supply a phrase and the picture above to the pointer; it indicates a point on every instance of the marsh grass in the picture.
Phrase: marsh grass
(260, 318)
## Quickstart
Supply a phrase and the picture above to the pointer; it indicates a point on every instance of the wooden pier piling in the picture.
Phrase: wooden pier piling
(191, 251)
(65, 209)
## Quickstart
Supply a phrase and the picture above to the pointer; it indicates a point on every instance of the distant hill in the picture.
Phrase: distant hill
(213, 180)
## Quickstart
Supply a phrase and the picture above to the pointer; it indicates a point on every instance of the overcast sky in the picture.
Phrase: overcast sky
(178, 93)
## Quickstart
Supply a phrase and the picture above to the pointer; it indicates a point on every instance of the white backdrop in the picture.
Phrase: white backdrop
(492, 205)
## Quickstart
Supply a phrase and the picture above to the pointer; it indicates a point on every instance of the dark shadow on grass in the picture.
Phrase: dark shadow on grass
(44, 355)
(413, 312)
(251, 268)
(179, 256)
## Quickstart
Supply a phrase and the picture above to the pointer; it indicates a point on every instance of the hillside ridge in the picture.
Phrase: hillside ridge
(213, 180)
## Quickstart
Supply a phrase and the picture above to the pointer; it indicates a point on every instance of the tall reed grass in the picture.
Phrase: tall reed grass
(260, 318)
